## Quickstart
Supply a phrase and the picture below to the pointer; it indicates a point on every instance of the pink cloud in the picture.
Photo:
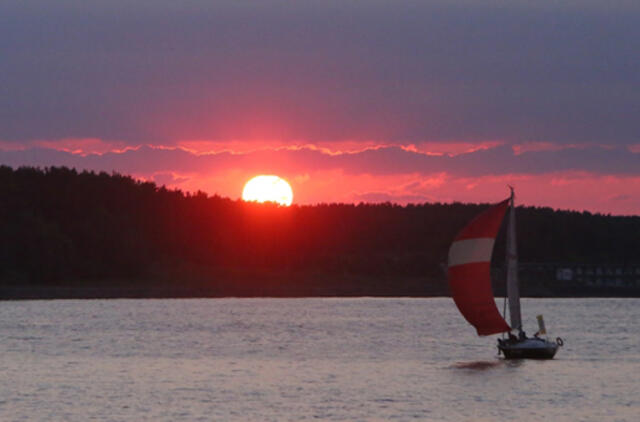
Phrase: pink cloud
(451, 147)
(83, 146)
(79, 146)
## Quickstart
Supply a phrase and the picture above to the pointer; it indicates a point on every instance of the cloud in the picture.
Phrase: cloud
(309, 72)
(169, 178)
(377, 197)
(622, 197)
(500, 160)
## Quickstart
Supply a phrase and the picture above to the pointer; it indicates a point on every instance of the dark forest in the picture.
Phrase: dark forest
(60, 228)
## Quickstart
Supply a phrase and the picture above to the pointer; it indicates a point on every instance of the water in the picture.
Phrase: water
(309, 359)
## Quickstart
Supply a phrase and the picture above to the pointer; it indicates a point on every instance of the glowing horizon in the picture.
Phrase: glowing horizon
(587, 177)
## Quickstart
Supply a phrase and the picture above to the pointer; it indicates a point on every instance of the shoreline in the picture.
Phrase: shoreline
(169, 291)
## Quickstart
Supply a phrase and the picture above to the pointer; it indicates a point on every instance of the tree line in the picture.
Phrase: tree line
(59, 225)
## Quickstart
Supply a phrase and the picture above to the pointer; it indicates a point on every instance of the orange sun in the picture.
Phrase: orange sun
(265, 188)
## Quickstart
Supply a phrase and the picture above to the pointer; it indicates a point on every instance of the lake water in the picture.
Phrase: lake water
(309, 359)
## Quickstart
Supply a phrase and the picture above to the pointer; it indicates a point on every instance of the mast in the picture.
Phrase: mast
(512, 268)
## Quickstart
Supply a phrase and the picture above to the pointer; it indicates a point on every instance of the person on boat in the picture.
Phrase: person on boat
(522, 336)
(512, 338)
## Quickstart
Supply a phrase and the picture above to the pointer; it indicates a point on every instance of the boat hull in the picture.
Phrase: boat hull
(531, 348)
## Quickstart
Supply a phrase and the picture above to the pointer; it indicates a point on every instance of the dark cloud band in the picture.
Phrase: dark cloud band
(380, 161)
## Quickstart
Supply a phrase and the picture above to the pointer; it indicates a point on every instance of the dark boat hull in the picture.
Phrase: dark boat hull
(531, 348)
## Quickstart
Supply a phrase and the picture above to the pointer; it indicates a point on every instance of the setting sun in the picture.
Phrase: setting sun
(270, 188)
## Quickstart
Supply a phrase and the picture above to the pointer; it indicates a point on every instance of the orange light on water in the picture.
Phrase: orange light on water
(268, 188)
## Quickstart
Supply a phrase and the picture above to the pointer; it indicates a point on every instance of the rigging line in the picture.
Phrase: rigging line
(504, 306)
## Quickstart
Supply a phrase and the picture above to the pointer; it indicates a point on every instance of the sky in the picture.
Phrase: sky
(350, 101)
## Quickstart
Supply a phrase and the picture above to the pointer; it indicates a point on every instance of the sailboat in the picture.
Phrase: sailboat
(469, 273)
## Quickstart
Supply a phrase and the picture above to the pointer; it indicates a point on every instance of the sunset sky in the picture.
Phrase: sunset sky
(402, 101)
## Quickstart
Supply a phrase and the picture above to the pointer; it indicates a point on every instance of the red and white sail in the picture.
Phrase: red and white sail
(470, 271)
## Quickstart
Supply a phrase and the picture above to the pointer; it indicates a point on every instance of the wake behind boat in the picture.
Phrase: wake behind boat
(469, 276)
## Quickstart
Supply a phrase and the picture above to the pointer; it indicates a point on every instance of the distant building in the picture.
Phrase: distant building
(576, 276)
